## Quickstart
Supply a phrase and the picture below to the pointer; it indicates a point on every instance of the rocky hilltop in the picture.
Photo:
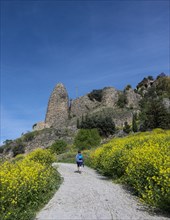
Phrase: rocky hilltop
(63, 112)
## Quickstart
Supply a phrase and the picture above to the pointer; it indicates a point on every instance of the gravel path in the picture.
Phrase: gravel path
(90, 196)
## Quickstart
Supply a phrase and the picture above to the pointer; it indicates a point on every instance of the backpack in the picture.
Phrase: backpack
(80, 157)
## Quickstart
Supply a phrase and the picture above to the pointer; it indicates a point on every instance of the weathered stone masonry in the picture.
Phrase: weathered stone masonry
(57, 111)
(60, 115)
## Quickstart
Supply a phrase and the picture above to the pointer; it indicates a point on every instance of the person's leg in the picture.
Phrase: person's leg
(78, 166)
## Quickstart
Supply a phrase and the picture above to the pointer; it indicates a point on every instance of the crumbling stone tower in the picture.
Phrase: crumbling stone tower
(57, 110)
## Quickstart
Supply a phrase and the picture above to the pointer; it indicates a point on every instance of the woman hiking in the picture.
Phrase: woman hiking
(79, 161)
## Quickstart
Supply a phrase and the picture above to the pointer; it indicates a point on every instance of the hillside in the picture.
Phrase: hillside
(146, 107)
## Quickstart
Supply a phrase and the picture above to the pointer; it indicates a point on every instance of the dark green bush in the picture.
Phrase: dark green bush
(96, 95)
(78, 123)
(134, 123)
(7, 142)
(59, 147)
(1, 150)
(87, 138)
(163, 86)
(6, 147)
(18, 149)
(150, 78)
(128, 87)
(122, 100)
(29, 136)
(104, 124)
(153, 112)
(126, 128)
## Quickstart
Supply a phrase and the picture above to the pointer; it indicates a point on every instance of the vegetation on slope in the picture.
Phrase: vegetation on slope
(27, 183)
(141, 160)
(103, 123)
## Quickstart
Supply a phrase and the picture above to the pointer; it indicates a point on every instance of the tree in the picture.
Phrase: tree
(143, 83)
(6, 142)
(153, 111)
(96, 95)
(122, 100)
(126, 128)
(18, 149)
(78, 123)
(29, 136)
(103, 123)
(150, 78)
(163, 87)
(1, 149)
(59, 146)
(87, 138)
(134, 124)
(161, 75)
(155, 115)
(128, 87)
(106, 126)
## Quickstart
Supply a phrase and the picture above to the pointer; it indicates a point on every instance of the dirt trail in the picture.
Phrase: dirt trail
(91, 196)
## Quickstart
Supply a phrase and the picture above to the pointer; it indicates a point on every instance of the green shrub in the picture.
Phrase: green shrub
(2, 149)
(42, 156)
(7, 142)
(104, 124)
(122, 100)
(87, 138)
(59, 147)
(18, 149)
(68, 157)
(29, 136)
(154, 114)
(128, 87)
(6, 148)
(96, 95)
(126, 128)
(134, 123)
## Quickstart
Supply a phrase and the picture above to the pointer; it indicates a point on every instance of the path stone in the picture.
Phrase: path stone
(91, 196)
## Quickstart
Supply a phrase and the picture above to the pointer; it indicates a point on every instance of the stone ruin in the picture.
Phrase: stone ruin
(58, 106)
(62, 113)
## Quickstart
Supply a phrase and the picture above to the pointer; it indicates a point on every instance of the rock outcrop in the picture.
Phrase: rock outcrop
(58, 105)
(110, 97)
(132, 98)
(62, 114)
(82, 105)
(166, 102)
(40, 126)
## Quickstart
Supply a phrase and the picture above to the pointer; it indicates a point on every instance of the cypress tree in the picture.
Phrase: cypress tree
(78, 123)
(134, 124)
(126, 128)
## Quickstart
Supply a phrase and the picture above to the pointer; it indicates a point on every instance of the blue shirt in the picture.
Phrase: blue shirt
(79, 158)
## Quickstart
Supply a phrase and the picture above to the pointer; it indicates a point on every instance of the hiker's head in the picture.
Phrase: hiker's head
(79, 152)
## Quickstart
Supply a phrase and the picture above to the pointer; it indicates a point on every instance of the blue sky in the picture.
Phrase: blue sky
(84, 44)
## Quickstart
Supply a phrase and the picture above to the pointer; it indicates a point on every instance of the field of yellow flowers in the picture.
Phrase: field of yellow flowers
(143, 161)
(26, 183)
